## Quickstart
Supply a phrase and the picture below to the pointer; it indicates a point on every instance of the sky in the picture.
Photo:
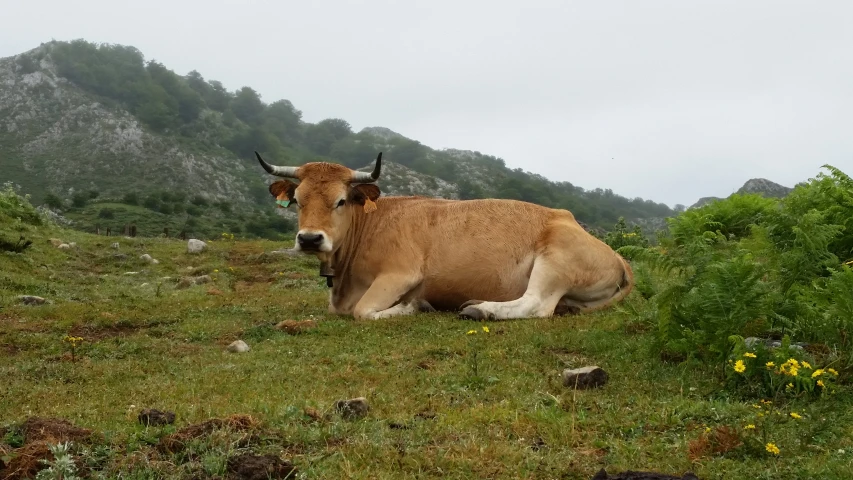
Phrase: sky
(665, 100)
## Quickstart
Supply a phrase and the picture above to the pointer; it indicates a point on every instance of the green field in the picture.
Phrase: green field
(443, 404)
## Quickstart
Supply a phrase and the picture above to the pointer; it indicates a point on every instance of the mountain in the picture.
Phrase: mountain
(107, 138)
(760, 186)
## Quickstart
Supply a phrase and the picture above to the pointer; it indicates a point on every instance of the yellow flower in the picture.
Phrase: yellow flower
(806, 364)
(749, 427)
(820, 384)
(739, 366)
(749, 354)
(832, 371)
(471, 332)
(485, 329)
(817, 373)
(772, 448)
(796, 415)
(770, 365)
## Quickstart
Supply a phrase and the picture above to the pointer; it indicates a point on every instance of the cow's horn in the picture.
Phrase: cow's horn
(364, 177)
(287, 172)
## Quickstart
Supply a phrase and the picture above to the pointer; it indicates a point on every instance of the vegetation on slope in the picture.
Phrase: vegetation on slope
(203, 116)
(444, 403)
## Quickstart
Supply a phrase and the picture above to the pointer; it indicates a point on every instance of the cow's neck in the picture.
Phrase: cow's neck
(341, 260)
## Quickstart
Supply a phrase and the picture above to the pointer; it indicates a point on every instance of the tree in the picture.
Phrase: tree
(247, 106)
(53, 201)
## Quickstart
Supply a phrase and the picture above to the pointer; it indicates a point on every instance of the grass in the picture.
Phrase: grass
(147, 344)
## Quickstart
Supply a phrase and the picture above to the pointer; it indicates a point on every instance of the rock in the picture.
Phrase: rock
(633, 475)
(31, 300)
(150, 416)
(187, 282)
(238, 346)
(294, 327)
(583, 378)
(148, 258)
(249, 466)
(353, 408)
(55, 242)
(114, 245)
(64, 246)
(195, 246)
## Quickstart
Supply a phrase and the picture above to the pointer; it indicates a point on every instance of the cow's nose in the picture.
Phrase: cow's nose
(311, 240)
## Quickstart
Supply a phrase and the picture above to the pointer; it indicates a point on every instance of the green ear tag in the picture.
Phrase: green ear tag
(283, 203)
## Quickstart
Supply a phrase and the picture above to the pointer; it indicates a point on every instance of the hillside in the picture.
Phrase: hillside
(760, 186)
(84, 127)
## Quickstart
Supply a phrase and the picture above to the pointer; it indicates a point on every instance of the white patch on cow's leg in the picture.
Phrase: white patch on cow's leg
(539, 300)
(385, 292)
(408, 308)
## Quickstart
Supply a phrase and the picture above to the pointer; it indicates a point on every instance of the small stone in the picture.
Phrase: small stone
(238, 346)
(148, 258)
(195, 246)
(114, 245)
(353, 408)
(583, 378)
(31, 300)
(151, 416)
(64, 246)
(294, 327)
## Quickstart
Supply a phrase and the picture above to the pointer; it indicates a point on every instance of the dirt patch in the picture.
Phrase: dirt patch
(176, 441)
(634, 475)
(53, 430)
(38, 434)
(249, 466)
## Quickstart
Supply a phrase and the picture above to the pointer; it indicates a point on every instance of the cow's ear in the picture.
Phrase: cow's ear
(283, 191)
(363, 192)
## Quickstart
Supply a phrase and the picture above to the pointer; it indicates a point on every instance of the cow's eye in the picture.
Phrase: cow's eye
(341, 203)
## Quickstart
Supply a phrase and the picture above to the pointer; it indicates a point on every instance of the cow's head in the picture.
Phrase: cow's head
(326, 197)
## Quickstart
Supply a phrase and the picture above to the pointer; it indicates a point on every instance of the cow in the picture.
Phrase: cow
(494, 259)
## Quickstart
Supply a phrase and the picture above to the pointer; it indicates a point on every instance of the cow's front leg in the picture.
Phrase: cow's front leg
(390, 295)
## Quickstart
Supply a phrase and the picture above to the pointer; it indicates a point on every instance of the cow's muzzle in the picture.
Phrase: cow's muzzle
(311, 241)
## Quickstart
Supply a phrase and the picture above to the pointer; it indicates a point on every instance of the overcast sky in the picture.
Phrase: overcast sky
(666, 100)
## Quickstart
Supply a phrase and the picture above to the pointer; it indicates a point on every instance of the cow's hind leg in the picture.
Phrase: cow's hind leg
(544, 291)
(390, 295)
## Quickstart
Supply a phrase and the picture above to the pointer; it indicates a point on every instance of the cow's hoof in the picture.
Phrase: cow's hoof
(469, 303)
(472, 313)
(424, 306)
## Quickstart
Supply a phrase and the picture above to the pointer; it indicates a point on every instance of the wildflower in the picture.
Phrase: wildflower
(770, 365)
(739, 366)
(772, 448)
(820, 384)
(796, 415)
(806, 364)
(832, 371)
(749, 427)
(749, 354)
(471, 332)
(817, 373)
(485, 329)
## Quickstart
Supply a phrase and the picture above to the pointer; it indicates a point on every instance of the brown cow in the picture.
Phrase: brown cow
(491, 258)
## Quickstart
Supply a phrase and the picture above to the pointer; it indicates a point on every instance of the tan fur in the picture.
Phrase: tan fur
(520, 259)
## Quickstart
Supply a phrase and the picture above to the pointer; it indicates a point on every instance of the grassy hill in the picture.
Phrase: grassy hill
(118, 334)
(79, 118)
